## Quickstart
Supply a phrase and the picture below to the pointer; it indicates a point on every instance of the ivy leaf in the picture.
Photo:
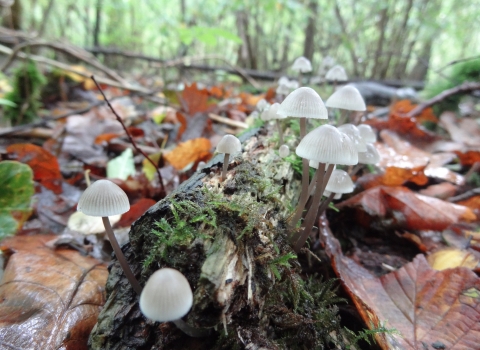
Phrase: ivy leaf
(16, 187)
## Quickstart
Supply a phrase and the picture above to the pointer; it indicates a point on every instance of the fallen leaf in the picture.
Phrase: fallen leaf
(50, 299)
(450, 258)
(16, 188)
(121, 167)
(468, 157)
(44, 165)
(136, 210)
(194, 100)
(89, 225)
(425, 306)
(187, 152)
(442, 190)
(472, 202)
(407, 209)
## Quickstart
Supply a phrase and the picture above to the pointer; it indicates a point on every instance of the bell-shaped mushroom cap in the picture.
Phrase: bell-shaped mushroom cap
(340, 182)
(302, 64)
(167, 296)
(370, 156)
(271, 113)
(284, 151)
(103, 198)
(303, 102)
(336, 73)
(337, 195)
(326, 144)
(262, 104)
(352, 131)
(347, 97)
(229, 144)
(367, 133)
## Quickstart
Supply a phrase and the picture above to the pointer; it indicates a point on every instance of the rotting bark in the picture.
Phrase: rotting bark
(230, 240)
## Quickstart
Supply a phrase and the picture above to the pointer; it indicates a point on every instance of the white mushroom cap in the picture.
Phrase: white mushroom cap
(340, 182)
(271, 113)
(302, 64)
(103, 198)
(262, 105)
(336, 73)
(352, 131)
(167, 296)
(347, 97)
(367, 133)
(284, 151)
(328, 193)
(370, 156)
(282, 89)
(229, 144)
(283, 81)
(303, 102)
(326, 144)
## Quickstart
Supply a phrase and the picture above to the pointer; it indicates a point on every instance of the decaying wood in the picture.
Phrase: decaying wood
(237, 293)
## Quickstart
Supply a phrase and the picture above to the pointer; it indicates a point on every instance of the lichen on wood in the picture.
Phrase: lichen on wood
(230, 240)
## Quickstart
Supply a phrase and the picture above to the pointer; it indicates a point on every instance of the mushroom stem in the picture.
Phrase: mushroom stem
(304, 197)
(225, 166)
(280, 133)
(312, 212)
(121, 258)
(303, 127)
(325, 203)
(191, 331)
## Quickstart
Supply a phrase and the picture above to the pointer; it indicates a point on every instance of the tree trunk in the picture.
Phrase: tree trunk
(310, 31)
(98, 20)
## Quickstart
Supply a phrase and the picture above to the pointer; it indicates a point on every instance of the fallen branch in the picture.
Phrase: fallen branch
(227, 121)
(461, 89)
(75, 52)
(66, 67)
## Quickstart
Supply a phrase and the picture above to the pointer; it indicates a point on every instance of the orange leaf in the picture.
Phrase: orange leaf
(105, 138)
(136, 210)
(194, 99)
(468, 157)
(44, 165)
(50, 299)
(188, 152)
(183, 124)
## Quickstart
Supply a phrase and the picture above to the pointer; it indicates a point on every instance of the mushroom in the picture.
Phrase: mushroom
(352, 131)
(339, 183)
(284, 151)
(324, 145)
(336, 74)
(302, 65)
(167, 297)
(303, 103)
(229, 144)
(271, 114)
(346, 98)
(104, 198)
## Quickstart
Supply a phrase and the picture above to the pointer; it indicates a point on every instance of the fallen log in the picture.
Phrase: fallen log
(230, 240)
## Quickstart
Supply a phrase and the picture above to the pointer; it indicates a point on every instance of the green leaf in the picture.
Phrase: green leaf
(122, 166)
(16, 188)
(9, 103)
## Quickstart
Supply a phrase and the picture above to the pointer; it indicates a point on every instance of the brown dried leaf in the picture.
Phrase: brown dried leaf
(427, 307)
(50, 299)
(187, 152)
(409, 210)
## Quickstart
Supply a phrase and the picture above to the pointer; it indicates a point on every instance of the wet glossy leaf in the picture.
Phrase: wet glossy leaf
(44, 165)
(16, 189)
(407, 209)
(50, 299)
(426, 306)
(136, 210)
(450, 258)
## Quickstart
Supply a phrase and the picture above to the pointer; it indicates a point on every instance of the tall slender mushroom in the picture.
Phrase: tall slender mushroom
(229, 144)
(167, 297)
(104, 198)
(347, 98)
(271, 114)
(340, 151)
(303, 103)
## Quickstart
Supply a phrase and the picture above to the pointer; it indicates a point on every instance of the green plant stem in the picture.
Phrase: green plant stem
(312, 212)
(121, 258)
(225, 166)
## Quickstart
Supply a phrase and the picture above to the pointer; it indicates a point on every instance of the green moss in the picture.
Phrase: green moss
(27, 84)
(454, 76)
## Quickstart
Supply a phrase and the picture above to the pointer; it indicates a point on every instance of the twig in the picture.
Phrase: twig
(460, 89)
(465, 196)
(227, 121)
(129, 135)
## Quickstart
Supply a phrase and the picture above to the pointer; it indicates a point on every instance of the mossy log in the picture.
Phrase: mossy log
(230, 240)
